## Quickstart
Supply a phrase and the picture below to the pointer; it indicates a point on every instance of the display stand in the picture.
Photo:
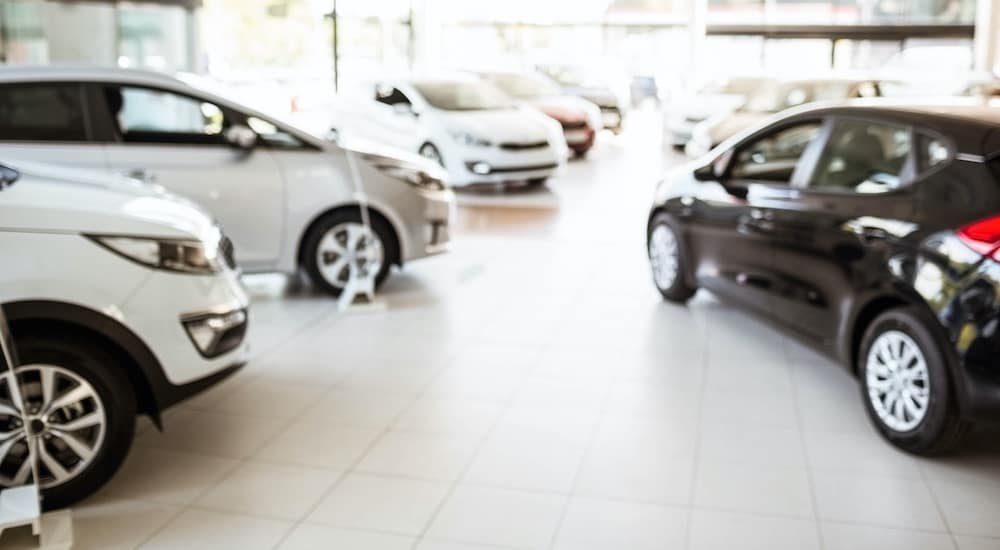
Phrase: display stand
(360, 284)
(21, 506)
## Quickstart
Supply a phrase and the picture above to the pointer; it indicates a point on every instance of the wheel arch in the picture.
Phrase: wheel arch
(374, 211)
(142, 368)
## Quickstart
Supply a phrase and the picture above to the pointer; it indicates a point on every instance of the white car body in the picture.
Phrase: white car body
(266, 198)
(122, 300)
(710, 101)
(350, 120)
(509, 144)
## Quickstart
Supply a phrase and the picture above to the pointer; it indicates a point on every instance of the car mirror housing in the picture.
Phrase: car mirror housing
(7, 177)
(241, 137)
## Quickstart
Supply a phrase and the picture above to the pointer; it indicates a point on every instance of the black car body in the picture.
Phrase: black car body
(831, 218)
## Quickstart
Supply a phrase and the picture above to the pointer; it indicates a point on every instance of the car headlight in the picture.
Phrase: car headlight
(465, 138)
(177, 255)
(425, 177)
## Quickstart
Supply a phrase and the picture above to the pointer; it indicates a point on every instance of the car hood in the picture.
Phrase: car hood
(61, 200)
(568, 108)
(501, 126)
(731, 124)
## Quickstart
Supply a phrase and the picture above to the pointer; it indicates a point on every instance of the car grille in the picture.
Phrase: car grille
(524, 146)
(228, 252)
(575, 125)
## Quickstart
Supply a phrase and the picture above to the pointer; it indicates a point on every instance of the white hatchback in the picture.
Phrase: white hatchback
(122, 300)
(476, 131)
(288, 199)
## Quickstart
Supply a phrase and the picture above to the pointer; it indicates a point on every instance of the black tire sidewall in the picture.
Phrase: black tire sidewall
(679, 291)
(100, 368)
(390, 253)
(941, 404)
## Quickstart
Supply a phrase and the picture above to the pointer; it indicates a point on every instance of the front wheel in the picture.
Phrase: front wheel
(78, 402)
(905, 384)
(340, 247)
(667, 261)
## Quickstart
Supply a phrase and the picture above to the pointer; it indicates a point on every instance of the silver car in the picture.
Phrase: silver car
(288, 200)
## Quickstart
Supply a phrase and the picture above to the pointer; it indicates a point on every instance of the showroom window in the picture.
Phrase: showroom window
(146, 115)
(775, 157)
(863, 157)
(48, 112)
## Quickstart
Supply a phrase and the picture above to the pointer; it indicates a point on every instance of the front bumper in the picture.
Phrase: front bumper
(432, 235)
(497, 166)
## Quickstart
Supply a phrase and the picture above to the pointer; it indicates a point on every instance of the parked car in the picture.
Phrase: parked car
(771, 98)
(579, 118)
(712, 100)
(287, 198)
(579, 82)
(122, 300)
(872, 232)
(477, 132)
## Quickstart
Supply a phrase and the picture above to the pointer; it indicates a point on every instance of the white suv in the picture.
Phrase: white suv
(287, 199)
(122, 300)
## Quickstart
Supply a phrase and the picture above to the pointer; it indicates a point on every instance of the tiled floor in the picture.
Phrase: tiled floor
(530, 390)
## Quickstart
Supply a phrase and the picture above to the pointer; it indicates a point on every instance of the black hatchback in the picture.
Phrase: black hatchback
(870, 230)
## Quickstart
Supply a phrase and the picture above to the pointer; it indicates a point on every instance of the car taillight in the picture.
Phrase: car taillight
(983, 237)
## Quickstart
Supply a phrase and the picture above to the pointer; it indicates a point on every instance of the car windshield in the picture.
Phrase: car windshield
(461, 95)
(525, 86)
(775, 97)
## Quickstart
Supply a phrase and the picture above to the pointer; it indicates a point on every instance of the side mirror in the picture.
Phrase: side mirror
(7, 177)
(241, 137)
(717, 169)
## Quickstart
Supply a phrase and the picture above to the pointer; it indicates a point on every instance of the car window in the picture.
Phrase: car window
(863, 157)
(147, 115)
(933, 152)
(272, 135)
(42, 112)
(775, 157)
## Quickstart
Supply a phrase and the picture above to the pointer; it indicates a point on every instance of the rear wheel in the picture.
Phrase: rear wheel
(905, 384)
(78, 401)
(667, 261)
(341, 247)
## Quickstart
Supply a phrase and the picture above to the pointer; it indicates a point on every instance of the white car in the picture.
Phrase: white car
(122, 300)
(711, 100)
(477, 132)
(289, 200)
(580, 119)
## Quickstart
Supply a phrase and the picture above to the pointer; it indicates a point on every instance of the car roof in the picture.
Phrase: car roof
(918, 111)
(53, 73)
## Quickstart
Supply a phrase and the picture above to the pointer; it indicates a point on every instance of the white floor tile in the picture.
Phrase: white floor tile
(498, 517)
(753, 488)
(107, 524)
(309, 536)
(840, 536)
(711, 530)
(386, 504)
(215, 434)
(970, 509)
(420, 455)
(312, 442)
(197, 529)
(597, 524)
(167, 476)
(876, 500)
(271, 490)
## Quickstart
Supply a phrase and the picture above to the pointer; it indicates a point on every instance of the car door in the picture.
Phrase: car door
(177, 140)
(47, 122)
(730, 232)
(846, 225)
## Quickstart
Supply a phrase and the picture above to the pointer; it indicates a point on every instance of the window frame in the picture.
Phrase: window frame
(83, 104)
(910, 167)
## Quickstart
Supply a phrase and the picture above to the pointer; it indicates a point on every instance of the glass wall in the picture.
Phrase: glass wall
(94, 32)
(842, 12)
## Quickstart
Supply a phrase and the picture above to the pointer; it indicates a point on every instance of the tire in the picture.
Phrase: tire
(72, 359)
(886, 350)
(430, 151)
(334, 225)
(675, 287)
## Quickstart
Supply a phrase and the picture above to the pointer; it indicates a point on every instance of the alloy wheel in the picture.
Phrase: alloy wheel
(898, 381)
(348, 251)
(66, 415)
(664, 256)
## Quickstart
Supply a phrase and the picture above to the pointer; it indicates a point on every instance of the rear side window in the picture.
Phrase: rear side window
(864, 157)
(42, 112)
